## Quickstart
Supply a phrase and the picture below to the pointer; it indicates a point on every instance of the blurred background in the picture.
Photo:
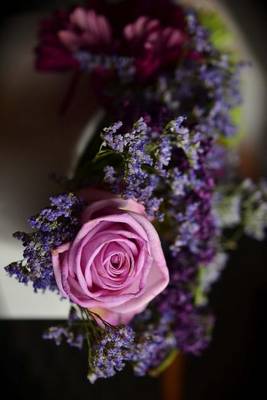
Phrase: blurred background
(31, 147)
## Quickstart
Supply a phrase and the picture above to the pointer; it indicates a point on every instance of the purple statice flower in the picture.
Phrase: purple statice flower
(60, 334)
(197, 230)
(191, 325)
(180, 323)
(216, 160)
(152, 346)
(193, 331)
(112, 139)
(53, 226)
(191, 186)
(188, 142)
(134, 181)
(19, 271)
(221, 82)
(167, 173)
(122, 65)
(56, 333)
(71, 333)
(205, 90)
(180, 183)
(110, 174)
(110, 352)
(200, 37)
(164, 154)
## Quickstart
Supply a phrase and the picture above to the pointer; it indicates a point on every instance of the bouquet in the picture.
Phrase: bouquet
(144, 226)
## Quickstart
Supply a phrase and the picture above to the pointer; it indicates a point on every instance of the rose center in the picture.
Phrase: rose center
(118, 265)
(115, 261)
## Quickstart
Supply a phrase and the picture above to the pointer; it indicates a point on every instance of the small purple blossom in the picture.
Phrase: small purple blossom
(112, 139)
(53, 226)
(122, 65)
(134, 181)
(60, 334)
(199, 34)
(71, 333)
(191, 325)
(110, 352)
(152, 346)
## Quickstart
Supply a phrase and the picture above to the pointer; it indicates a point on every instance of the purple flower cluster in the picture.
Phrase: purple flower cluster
(59, 333)
(199, 34)
(191, 324)
(124, 66)
(55, 225)
(167, 172)
(173, 157)
(132, 179)
(110, 352)
(206, 92)
(153, 344)
(71, 332)
(145, 350)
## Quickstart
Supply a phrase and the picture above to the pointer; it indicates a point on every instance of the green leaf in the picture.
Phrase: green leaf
(234, 141)
(102, 155)
(220, 35)
(165, 364)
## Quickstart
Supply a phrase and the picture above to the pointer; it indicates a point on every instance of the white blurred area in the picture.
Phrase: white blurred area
(36, 141)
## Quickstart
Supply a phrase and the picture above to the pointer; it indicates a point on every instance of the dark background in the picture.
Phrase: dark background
(234, 366)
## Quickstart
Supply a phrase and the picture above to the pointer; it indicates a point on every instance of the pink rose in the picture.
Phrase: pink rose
(115, 265)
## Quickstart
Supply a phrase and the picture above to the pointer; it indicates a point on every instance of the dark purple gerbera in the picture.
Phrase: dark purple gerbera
(151, 39)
